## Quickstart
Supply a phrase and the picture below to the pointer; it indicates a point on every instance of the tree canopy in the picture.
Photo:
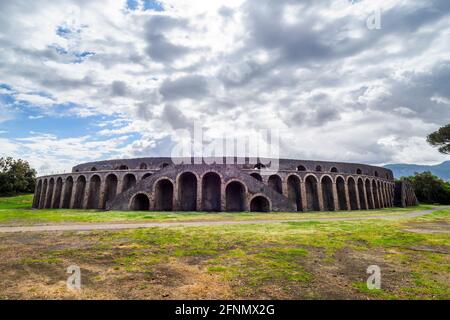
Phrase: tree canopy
(16, 177)
(429, 188)
(441, 139)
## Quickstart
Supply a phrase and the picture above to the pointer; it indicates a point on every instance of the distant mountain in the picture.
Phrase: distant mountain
(403, 170)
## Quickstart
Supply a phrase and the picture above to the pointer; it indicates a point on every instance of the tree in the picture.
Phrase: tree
(441, 139)
(16, 177)
(429, 188)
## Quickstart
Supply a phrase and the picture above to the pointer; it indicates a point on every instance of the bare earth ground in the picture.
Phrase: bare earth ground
(307, 259)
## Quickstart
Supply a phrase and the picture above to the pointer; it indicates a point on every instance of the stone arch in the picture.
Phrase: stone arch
(111, 182)
(93, 169)
(293, 190)
(318, 168)
(257, 176)
(342, 199)
(362, 196)
(211, 192)
(376, 197)
(334, 169)
(80, 188)
(187, 191)
(94, 192)
(148, 174)
(276, 183)
(376, 173)
(123, 167)
(312, 195)
(129, 181)
(301, 168)
(369, 195)
(43, 194)
(327, 193)
(259, 203)
(58, 191)
(140, 202)
(143, 166)
(37, 195)
(163, 192)
(358, 171)
(352, 193)
(67, 197)
(163, 165)
(48, 200)
(235, 196)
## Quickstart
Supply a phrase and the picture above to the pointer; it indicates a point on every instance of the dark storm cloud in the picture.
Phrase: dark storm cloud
(189, 87)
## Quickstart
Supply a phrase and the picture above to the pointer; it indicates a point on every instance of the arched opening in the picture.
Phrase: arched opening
(58, 191)
(94, 192)
(93, 169)
(257, 176)
(187, 192)
(342, 200)
(362, 196)
(376, 173)
(48, 200)
(140, 202)
(43, 195)
(301, 168)
(143, 166)
(353, 197)
(235, 196)
(259, 204)
(67, 197)
(334, 169)
(369, 195)
(123, 167)
(129, 181)
(376, 198)
(211, 192)
(294, 194)
(110, 189)
(80, 188)
(145, 176)
(163, 165)
(312, 196)
(275, 183)
(358, 171)
(327, 194)
(318, 168)
(164, 195)
(37, 195)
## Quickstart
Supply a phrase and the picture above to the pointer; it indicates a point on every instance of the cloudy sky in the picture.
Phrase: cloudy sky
(85, 80)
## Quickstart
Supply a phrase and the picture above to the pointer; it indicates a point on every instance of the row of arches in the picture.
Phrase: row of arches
(92, 194)
(311, 194)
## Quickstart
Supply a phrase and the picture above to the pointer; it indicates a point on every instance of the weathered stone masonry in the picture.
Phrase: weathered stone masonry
(159, 184)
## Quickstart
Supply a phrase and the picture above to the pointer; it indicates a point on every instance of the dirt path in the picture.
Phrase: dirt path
(120, 226)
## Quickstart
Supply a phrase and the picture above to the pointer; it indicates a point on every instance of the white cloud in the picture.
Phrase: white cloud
(335, 89)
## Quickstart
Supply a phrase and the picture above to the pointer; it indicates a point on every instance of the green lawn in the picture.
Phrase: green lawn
(17, 210)
(291, 260)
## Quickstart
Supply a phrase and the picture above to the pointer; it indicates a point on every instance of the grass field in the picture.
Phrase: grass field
(292, 260)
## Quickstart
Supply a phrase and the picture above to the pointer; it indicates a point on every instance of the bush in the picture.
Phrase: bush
(16, 177)
(429, 188)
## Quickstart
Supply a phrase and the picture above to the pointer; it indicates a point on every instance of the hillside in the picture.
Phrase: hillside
(402, 170)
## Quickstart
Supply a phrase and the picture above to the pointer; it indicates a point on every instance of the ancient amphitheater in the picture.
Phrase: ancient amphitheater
(163, 185)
